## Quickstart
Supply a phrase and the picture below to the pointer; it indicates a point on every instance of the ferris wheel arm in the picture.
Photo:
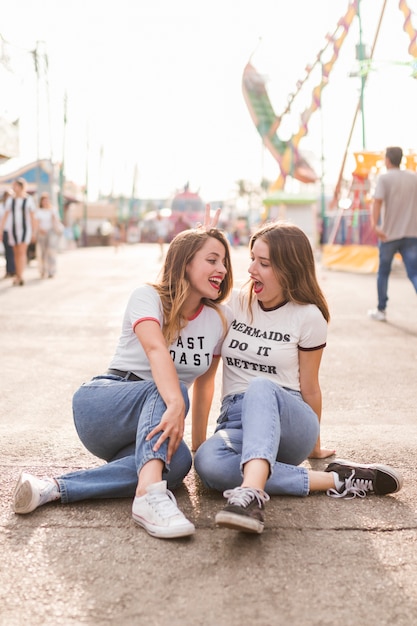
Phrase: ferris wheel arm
(336, 193)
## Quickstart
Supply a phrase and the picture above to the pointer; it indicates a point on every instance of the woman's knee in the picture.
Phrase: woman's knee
(200, 458)
(207, 462)
(217, 469)
(263, 389)
(204, 459)
(260, 384)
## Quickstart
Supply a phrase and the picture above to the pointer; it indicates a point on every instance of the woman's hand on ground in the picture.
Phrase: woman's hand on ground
(321, 453)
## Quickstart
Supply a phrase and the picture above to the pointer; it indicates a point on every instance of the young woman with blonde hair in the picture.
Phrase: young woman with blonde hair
(133, 415)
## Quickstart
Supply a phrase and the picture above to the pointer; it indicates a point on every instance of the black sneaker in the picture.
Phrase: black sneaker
(244, 510)
(359, 480)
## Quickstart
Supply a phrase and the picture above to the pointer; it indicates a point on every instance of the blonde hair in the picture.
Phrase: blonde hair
(293, 264)
(173, 285)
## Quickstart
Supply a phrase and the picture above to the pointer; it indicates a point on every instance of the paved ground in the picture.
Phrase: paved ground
(319, 562)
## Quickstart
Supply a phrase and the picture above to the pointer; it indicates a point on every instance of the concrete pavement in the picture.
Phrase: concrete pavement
(320, 561)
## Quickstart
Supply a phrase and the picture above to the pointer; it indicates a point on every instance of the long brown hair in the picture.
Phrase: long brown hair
(44, 196)
(292, 261)
(173, 285)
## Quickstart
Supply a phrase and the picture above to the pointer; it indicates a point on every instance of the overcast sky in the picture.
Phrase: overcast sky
(156, 85)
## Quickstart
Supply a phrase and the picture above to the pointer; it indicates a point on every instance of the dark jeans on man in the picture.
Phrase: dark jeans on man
(407, 247)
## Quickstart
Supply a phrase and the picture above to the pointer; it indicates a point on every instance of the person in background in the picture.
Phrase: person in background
(49, 226)
(117, 236)
(270, 415)
(8, 249)
(19, 220)
(133, 415)
(394, 220)
(180, 225)
(161, 229)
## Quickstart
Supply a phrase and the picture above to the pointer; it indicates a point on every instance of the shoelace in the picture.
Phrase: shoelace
(164, 504)
(354, 487)
(243, 496)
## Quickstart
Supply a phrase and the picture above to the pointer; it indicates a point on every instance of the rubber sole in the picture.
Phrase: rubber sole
(386, 469)
(225, 519)
(162, 532)
(23, 499)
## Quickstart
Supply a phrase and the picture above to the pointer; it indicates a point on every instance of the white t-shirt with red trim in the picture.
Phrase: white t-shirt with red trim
(192, 352)
(268, 344)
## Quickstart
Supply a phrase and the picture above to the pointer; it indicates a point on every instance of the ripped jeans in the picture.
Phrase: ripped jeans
(266, 422)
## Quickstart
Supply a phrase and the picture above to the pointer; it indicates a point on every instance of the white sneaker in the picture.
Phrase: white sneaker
(31, 492)
(158, 514)
(377, 315)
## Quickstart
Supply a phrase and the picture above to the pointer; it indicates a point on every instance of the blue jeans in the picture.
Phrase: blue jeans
(407, 247)
(267, 422)
(113, 416)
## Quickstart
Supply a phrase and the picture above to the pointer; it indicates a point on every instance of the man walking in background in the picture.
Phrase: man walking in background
(394, 220)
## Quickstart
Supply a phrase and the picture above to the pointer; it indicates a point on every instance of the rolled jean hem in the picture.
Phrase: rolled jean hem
(300, 490)
(258, 457)
(297, 486)
(154, 457)
(63, 490)
(306, 483)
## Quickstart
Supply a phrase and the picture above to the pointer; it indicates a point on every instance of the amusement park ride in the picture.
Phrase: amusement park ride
(339, 226)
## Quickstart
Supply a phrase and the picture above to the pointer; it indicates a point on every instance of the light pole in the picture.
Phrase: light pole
(62, 167)
(361, 56)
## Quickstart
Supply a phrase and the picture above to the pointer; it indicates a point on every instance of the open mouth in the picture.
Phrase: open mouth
(257, 286)
(215, 282)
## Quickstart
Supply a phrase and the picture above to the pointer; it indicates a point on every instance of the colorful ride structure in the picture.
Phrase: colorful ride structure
(349, 243)
(346, 221)
(290, 160)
